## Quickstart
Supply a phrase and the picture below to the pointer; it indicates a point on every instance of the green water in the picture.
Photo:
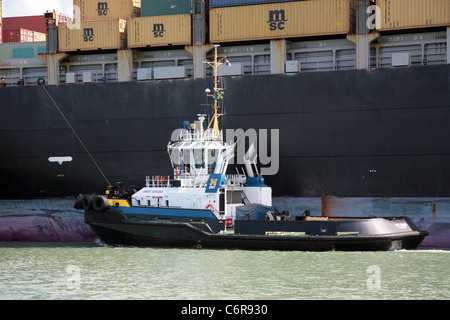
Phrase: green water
(91, 271)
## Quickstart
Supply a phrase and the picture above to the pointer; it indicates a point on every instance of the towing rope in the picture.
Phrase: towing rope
(75, 133)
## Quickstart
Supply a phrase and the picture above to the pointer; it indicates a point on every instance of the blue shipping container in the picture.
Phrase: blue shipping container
(232, 3)
(22, 50)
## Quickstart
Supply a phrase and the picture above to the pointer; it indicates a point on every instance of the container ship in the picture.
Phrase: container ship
(352, 98)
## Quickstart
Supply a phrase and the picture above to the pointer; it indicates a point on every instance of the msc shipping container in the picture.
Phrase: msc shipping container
(107, 9)
(93, 35)
(232, 3)
(280, 20)
(22, 50)
(166, 7)
(407, 14)
(17, 35)
(159, 31)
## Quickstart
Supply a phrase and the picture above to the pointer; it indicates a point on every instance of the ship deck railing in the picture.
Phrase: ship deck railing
(200, 135)
(199, 181)
(158, 182)
(236, 179)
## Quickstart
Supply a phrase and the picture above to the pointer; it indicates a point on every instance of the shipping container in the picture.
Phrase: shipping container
(407, 14)
(17, 35)
(1, 33)
(166, 7)
(107, 9)
(34, 23)
(93, 35)
(22, 50)
(159, 31)
(232, 3)
(62, 18)
(280, 20)
(39, 36)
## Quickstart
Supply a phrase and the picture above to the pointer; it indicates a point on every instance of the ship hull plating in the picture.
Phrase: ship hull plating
(371, 135)
(350, 133)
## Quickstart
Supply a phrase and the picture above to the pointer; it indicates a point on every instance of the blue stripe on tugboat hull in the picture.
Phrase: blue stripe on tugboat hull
(167, 212)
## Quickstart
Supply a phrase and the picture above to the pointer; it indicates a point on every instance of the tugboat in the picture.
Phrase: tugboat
(201, 206)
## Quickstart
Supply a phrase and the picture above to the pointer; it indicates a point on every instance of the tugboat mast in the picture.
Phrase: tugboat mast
(217, 95)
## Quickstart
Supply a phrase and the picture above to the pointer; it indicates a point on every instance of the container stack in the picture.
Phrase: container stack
(251, 20)
(24, 29)
(163, 23)
(98, 25)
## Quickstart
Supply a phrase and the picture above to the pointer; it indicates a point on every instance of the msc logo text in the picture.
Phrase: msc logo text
(277, 19)
(102, 8)
(88, 34)
(158, 30)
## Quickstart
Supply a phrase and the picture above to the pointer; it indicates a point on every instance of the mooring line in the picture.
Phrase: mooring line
(75, 133)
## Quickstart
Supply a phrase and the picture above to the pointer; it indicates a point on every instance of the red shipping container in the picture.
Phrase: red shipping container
(33, 23)
(17, 35)
(1, 33)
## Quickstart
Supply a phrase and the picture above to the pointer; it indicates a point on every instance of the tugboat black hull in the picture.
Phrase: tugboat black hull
(187, 235)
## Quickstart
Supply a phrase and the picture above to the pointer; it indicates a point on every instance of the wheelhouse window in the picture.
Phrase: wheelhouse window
(199, 158)
(213, 154)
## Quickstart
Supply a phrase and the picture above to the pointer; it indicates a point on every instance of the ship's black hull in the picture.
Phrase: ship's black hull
(184, 235)
(380, 133)
(158, 227)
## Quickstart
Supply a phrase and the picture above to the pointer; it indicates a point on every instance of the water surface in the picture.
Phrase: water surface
(90, 271)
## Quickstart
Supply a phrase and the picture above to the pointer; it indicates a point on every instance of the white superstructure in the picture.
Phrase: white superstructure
(199, 159)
